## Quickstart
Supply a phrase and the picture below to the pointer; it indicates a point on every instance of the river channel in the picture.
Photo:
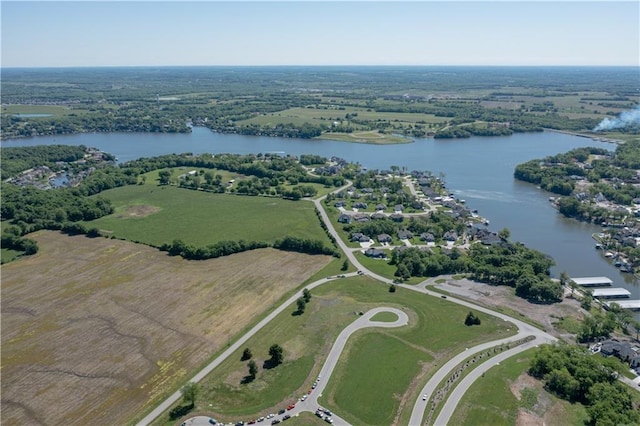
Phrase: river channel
(478, 170)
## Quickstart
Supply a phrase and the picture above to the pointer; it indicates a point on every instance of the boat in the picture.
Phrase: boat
(598, 246)
(608, 254)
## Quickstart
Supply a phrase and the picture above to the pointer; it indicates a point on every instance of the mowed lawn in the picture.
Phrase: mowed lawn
(379, 373)
(159, 214)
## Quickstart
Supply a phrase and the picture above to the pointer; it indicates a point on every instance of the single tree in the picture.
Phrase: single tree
(392, 288)
(472, 319)
(190, 393)
(302, 304)
(253, 369)
(277, 355)
(504, 234)
(246, 354)
(165, 177)
(306, 294)
(345, 265)
(586, 301)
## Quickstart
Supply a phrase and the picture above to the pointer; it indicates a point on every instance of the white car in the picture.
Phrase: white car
(424, 397)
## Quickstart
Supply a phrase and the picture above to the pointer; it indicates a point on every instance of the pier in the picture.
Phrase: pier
(611, 293)
(593, 281)
(633, 305)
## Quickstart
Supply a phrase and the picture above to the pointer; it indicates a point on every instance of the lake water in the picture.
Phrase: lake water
(31, 115)
(478, 170)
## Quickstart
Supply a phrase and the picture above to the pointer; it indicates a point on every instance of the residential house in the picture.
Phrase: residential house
(359, 237)
(405, 235)
(427, 237)
(450, 236)
(384, 238)
(396, 217)
(344, 218)
(375, 253)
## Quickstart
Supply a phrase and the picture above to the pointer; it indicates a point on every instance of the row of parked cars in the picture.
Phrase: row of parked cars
(324, 414)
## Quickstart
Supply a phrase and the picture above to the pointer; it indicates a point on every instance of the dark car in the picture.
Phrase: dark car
(275, 421)
(282, 410)
(286, 417)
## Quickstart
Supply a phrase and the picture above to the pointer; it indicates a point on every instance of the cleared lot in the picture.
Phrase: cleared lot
(94, 329)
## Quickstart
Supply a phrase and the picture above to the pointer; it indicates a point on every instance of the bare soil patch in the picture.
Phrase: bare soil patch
(499, 296)
(546, 411)
(138, 211)
(94, 329)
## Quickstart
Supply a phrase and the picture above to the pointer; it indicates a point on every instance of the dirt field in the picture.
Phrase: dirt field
(92, 329)
(496, 296)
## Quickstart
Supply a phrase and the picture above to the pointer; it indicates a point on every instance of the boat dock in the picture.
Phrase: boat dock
(593, 281)
(633, 305)
(611, 293)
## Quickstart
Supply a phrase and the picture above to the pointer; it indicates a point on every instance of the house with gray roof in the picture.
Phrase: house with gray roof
(384, 238)
(405, 235)
(344, 218)
(375, 253)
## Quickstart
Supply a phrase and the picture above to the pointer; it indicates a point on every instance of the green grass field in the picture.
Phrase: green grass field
(377, 374)
(436, 331)
(156, 215)
(382, 267)
(54, 110)
(384, 317)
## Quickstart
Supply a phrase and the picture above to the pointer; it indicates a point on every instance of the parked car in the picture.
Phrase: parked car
(275, 421)
(282, 410)
(291, 407)
(286, 417)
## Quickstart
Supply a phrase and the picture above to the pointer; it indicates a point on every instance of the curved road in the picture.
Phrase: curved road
(310, 403)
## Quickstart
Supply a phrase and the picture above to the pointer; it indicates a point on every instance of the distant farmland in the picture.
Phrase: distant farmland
(94, 329)
(159, 214)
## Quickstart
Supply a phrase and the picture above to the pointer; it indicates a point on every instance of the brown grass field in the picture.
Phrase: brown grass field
(94, 329)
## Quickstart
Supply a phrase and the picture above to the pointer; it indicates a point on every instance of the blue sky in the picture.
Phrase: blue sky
(127, 33)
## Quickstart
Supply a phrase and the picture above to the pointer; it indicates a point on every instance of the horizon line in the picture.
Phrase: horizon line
(321, 65)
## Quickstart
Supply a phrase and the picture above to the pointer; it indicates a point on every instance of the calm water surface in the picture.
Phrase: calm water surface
(478, 170)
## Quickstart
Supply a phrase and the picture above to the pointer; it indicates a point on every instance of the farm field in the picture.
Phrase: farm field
(156, 215)
(411, 355)
(94, 331)
(53, 110)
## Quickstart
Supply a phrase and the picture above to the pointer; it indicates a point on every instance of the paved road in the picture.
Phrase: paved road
(364, 321)
(165, 405)
(456, 394)
(311, 402)
(444, 371)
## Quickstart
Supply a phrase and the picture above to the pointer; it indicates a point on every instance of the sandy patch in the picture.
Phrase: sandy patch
(138, 211)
